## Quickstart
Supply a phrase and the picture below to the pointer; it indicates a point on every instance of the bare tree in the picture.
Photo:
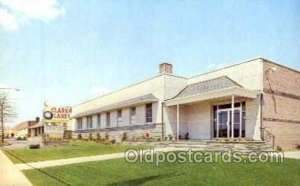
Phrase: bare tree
(6, 112)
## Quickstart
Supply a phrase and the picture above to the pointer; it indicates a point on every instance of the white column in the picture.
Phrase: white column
(232, 115)
(177, 126)
(217, 123)
(241, 119)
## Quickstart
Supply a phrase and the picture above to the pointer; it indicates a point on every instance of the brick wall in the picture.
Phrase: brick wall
(281, 104)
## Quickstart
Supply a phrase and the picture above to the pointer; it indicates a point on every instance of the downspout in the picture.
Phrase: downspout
(261, 117)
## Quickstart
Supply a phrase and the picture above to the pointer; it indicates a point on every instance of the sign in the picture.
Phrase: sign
(57, 114)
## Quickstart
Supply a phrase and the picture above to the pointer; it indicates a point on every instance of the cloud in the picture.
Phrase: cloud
(15, 13)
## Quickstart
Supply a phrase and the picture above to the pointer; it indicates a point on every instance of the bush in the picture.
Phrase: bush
(90, 136)
(79, 136)
(113, 141)
(98, 137)
(170, 137)
(278, 148)
(186, 136)
(124, 137)
(147, 136)
(106, 136)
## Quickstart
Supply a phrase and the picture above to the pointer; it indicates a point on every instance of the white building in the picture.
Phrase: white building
(199, 107)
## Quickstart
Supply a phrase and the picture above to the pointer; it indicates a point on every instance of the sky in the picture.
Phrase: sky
(66, 52)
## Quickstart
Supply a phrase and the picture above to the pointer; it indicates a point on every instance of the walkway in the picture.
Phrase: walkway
(9, 174)
(61, 162)
(292, 154)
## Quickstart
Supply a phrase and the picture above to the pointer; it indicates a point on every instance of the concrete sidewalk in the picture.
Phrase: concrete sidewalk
(61, 162)
(292, 154)
(9, 174)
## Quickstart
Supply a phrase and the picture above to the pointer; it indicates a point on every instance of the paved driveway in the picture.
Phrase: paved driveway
(16, 144)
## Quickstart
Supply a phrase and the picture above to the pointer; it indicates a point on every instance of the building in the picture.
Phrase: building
(261, 97)
(55, 124)
(22, 130)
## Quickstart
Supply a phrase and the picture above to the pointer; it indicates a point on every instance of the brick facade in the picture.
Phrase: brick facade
(281, 104)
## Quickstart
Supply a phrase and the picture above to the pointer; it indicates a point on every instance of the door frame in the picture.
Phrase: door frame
(229, 122)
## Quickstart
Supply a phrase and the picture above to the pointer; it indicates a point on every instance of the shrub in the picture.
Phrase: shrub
(278, 148)
(147, 136)
(106, 136)
(98, 137)
(124, 136)
(79, 136)
(170, 137)
(186, 136)
(113, 141)
(90, 136)
(298, 146)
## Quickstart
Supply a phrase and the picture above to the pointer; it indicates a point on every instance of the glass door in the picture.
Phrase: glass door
(224, 123)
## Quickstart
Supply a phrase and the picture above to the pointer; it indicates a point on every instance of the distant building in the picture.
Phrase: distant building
(23, 129)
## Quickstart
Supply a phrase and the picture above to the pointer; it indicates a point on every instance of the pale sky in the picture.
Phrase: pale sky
(65, 52)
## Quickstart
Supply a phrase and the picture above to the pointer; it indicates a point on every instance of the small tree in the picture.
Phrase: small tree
(6, 112)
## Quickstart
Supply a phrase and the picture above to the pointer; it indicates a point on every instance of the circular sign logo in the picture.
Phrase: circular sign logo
(48, 115)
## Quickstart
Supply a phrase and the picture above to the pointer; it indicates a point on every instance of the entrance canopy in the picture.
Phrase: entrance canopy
(221, 87)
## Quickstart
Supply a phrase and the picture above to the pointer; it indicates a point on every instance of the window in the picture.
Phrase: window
(99, 120)
(79, 123)
(89, 120)
(132, 111)
(107, 119)
(119, 113)
(119, 117)
(149, 113)
(132, 115)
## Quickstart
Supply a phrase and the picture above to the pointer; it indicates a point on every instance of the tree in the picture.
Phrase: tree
(6, 112)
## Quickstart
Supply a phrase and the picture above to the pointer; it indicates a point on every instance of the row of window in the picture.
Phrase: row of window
(148, 117)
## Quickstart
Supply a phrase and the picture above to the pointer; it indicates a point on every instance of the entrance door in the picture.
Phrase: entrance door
(224, 123)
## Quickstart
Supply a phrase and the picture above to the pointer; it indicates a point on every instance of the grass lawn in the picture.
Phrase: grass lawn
(119, 172)
(76, 149)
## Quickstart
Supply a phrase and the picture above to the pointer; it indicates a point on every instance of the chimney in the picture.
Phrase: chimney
(37, 119)
(165, 68)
